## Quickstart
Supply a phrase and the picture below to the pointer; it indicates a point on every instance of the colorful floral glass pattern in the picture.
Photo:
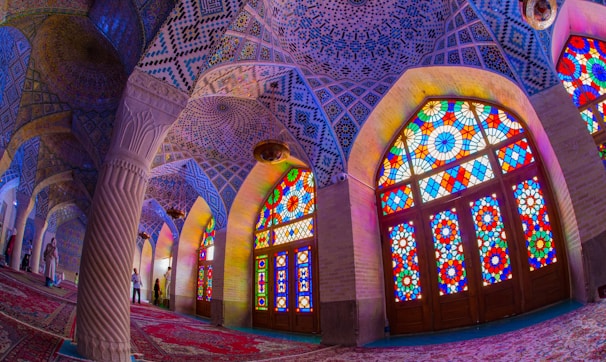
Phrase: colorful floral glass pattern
(397, 199)
(208, 236)
(293, 232)
(294, 196)
(515, 155)
(395, 167)
(582, 69)
(281, 281)
(450, 261)
(262, 239)
(492, 241)
(209, 283)
(455, 179)
(200, 294)
(535, 222)
(406, 276)
(261, 282)
(498, 125)
(443, 132)
(303, 272)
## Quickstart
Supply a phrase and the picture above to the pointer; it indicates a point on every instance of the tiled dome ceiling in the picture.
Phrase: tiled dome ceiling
(359, 39)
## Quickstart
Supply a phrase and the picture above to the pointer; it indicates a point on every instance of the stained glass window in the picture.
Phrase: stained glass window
(281, 284)
(582, 70)
(261, 282)
(443, 163)
(205, 258)
(285, 232)
(304, 281)
(492, 240)
(407, 285)
(200, 294)
(535, 222)
(450, 261)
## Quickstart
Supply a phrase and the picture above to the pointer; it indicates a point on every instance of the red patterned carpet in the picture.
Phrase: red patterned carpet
(36, 324)
(159, 335)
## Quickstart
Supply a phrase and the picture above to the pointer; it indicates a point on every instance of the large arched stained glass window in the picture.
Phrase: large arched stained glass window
(465, 218)
(205, 269)
(285, 256)
(582, 70)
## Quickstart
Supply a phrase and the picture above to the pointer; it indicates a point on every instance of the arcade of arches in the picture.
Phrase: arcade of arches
(437, 178)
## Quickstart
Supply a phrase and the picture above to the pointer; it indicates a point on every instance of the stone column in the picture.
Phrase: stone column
(40, 225)
(148, 109)
(23, 209)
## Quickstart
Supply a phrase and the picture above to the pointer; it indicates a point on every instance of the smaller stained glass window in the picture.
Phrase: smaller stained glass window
(303, 273)
(281, 281)
(492, 241)
(262, 239)
(261, 282)
(209, 283)
(450, 261)
(200, 294)
(535, 222)
(406, 275)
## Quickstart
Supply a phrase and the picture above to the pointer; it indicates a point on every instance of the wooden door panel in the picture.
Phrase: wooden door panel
(304, 323)
(497, 303)
(203, 308)
(454, 312)
(413, 319)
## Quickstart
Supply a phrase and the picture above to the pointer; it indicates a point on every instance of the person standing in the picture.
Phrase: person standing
(51, 259)
(167, 277)
(157, 292)
(136, 279)
(9, 249)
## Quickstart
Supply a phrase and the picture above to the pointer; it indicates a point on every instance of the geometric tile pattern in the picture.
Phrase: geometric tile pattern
(94, 129)
(27, 179)
(522, 45)
(191, 31)
(42, 199)
(348, 104)
(171, 191)
(468, 42)
(296, 107)
(329, 38)
(14, 56)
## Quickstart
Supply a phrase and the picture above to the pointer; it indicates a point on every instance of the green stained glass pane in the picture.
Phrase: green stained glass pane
(261, 273)
(200, 294)
(262, 239)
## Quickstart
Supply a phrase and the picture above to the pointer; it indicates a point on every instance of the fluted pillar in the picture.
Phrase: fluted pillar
(148, 109)
(23, 209)
(40, 226)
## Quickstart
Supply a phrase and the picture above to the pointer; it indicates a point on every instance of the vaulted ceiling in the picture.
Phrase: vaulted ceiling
(64, 65)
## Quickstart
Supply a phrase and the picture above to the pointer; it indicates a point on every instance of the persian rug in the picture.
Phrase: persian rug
(19, 342)
(67, 291)
(576, 336)
(29, 305)
(186, 339)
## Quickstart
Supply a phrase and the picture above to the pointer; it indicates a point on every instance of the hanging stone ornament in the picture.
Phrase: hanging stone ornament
(539, 14)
